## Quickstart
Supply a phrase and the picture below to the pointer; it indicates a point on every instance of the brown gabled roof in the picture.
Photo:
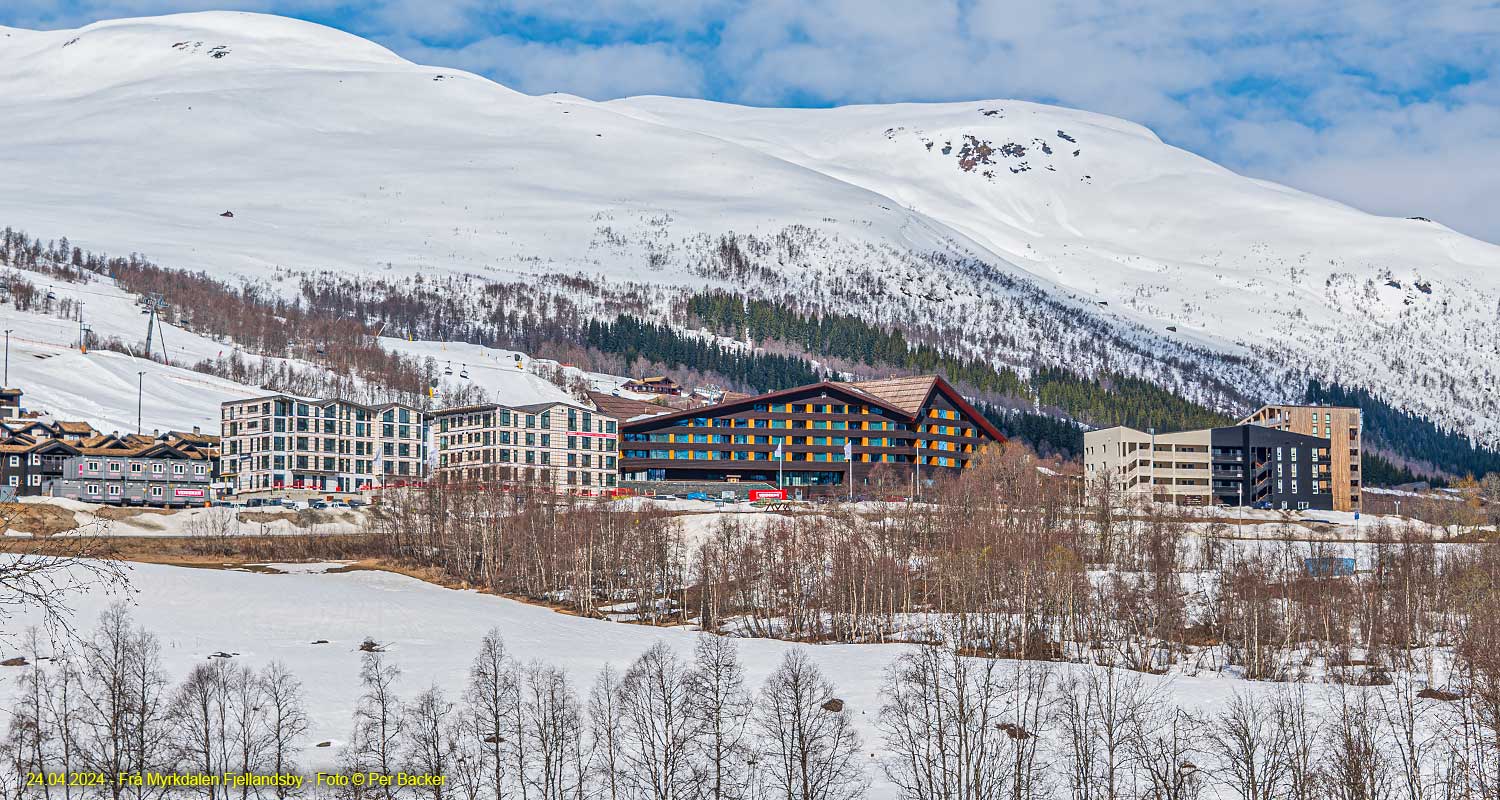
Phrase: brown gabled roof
(28, 447)
(623, 408)
(841, 388)
(153, 449)
(907, 394)
(75, 427)
(904, 396)
(195, 438)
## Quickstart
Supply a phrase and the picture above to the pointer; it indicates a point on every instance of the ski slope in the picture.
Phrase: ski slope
(101, 387)
(335, 154)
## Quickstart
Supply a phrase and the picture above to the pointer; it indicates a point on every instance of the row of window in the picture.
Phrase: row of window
(530, 421)
(115, 490)
(485, 438)
(309, 445)
(137, 468)
(326, 464)
(348, 411)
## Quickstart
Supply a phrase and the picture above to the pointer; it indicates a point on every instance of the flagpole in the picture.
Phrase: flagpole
(849, 458)
(780, 459)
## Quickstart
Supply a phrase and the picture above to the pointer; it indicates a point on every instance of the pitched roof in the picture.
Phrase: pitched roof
(907, 394)
(623, 408)
(75, 427)
(195, 438)
(902, 395)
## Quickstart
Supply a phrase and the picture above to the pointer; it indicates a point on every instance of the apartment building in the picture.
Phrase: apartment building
(799, 437)
(1250, 465)
(1341, 426)
(282, 442)
(561, 447)
(27, 467)
(125, 471)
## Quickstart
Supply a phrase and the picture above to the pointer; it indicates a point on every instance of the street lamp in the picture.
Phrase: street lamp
(140, 388)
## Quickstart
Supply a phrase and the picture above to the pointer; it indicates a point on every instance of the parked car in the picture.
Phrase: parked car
(357, 504)
(697, 496)
(318, 504)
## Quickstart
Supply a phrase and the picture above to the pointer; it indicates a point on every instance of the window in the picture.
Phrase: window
(156, 491)
(114, 490)
(92, 489)
(15, 461)
(135, 468)
(15, 480)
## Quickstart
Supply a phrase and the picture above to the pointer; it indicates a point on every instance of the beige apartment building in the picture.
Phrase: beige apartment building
(1171, 467)
(1250, 465)
(1341, 426)
(282, 442)
(561, 447)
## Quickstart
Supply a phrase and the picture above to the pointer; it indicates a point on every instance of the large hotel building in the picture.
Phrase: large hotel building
(283, 442)
(561, 447)
(913, 425)
(1277, 458)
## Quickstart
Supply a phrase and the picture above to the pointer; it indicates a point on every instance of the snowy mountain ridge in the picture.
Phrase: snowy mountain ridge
(1025, 233)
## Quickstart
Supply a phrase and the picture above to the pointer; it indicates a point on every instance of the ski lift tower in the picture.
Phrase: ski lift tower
(154, 304)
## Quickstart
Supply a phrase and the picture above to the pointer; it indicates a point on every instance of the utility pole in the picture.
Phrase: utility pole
(6, 380)
(83, 344)
(140, 390)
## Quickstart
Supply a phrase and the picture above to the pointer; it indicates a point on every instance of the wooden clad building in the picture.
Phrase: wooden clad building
(1341, 426)
(912, 425)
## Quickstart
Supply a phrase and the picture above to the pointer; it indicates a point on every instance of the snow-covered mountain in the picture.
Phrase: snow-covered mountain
(1025, 233)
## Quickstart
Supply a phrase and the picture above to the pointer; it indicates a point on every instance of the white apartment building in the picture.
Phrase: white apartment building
(281, 442)
(560, 447)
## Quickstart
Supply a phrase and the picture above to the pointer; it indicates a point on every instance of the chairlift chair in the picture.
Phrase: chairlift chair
(448, 370)
(464, 372)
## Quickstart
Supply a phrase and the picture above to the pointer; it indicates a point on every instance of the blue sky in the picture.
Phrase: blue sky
(1391, 106)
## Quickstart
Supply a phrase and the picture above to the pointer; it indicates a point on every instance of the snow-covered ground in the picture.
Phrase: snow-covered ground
(92, 519)
(432, 633)
(901, 213)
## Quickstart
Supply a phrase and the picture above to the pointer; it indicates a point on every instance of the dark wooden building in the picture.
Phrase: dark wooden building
(907, 425)
(27, 467)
